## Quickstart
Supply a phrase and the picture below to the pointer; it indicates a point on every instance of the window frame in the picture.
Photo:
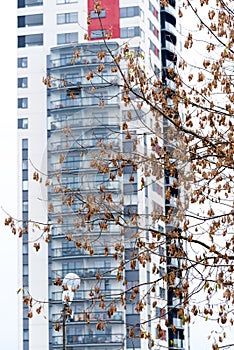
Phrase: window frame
(93, 14)
(30, 20)
(66, 18)
(67, 38)
(130, 32)
(30, 40)
(22, 103)
(125, 12)
(22, 62)
(22, 123)
(22, 82)
(98, 34)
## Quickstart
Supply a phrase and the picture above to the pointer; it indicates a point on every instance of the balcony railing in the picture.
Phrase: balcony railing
(176, 344)
(170, 10)
(170, 28)
(98, 251)
(106, 80)
(177, 322)
(83, 102)
(81, 317)
(97, 339)
(69, 61)
(84, 294)
(84, 123)
(88, 273)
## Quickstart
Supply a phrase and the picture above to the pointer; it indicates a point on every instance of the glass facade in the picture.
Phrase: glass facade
(69, 158)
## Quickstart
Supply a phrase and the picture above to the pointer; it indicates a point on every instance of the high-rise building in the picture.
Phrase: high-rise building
(67, 130)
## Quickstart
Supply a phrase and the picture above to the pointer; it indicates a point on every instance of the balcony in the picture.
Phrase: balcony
(174, 303)
(68, 61)
(170, 28)
(176, 344)
(172, 262)
(87, 273)
(170, 9)
(76, 252)
(87, 122)
(79, 102)
(84, 294)
(169, 46)
(106, 80)
(81, 317)
(177, 322)
(172, 202)
(73, 251)
(102, 340)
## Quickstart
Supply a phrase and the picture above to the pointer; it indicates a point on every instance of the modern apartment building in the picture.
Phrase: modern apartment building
(63, 129)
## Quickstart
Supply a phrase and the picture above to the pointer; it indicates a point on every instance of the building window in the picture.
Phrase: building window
(153, 10)
(162, 293)
(157, 188)
(64, 18)
(67, 38)
(129, 32)
(97, 34)
(129, 11)
(30, 40)
(94, 14)
(23, 102)
(25, 196)
(25, 207)
(158, 312)
(30, 20)
(28, 3)
(23, 123)
(22, 62)
(23, 82)
(153, 29)
(154, 48)
(61, 2)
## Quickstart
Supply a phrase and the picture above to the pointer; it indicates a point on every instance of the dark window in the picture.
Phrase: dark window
(22, 62)
(129, 32)
(33, 2)
(71, 17)
(25, 196)
(21, 4)
(156, 71)
(25, 3)
(23, 102)
(67, 38)
(25, 172)
(129, 11)
(25, 216)
(23, 82)
(97, 34)
(24, 143)
(162, 293)
(30, 40)
(94, 14)
(30, 20)
(23, 123)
